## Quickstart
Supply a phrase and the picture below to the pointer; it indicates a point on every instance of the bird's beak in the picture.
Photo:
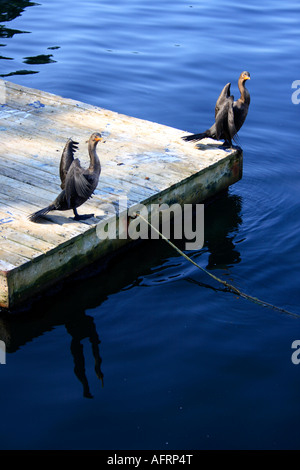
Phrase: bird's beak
(98, 139)
(246, 77)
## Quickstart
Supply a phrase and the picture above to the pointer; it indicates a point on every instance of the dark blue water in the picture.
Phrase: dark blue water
(185, 364)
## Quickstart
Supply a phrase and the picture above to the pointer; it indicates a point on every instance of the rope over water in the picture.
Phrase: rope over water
(228, 286)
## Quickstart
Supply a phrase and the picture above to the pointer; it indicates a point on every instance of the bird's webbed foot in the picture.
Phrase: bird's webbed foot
(227, 144)
(81, 217)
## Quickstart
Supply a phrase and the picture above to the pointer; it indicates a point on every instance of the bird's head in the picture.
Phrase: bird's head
(245, 76)
(96, 137)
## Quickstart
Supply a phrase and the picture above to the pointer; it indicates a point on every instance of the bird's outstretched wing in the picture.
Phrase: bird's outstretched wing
(66, 160)
(231, 125)
(224, 95)
(76, 184)
(225, 127)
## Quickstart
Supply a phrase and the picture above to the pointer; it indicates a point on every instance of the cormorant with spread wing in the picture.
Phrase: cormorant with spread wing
(77, 183)
(230, 115)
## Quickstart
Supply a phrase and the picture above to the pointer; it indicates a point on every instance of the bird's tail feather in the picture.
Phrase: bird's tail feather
(195, 137)
(36, 215)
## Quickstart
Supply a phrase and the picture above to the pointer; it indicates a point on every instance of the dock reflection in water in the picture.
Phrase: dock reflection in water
(16, 330)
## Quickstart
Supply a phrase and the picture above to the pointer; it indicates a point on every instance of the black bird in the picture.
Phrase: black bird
(77, 183)
(230, 115)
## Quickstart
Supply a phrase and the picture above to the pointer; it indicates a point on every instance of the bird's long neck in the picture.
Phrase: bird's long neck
(95, 165)
(245, 95)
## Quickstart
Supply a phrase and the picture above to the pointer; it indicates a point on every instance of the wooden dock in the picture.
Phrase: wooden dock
(142, 161)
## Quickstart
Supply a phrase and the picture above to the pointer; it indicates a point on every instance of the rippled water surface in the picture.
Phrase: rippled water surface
(153, 354)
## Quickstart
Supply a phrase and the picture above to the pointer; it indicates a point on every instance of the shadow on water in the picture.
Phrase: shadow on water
(10, 10)
(64, 307)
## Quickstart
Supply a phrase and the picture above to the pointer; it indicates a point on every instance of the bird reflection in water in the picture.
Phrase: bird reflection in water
(222, 222)
(17, 330)
(80, 330)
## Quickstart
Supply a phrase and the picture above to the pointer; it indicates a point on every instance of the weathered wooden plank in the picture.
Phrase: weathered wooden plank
(9, 261)
(27, 239)
(42, 234)
(21, 248)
